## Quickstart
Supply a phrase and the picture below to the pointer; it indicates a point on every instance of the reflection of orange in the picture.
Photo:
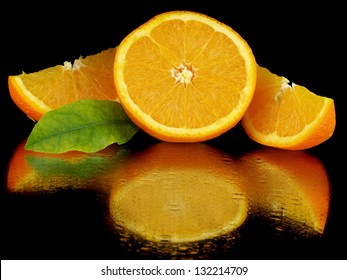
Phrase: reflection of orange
(18, 170)
(179, 193)
(292, 184)
(22, 176)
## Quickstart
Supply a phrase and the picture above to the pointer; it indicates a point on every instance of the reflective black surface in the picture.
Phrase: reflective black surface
(77, 208)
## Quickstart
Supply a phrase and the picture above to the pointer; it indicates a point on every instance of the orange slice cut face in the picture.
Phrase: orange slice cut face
(288, 116)
(184, 77)
(90, 77)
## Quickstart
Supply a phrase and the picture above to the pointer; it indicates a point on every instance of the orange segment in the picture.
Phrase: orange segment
(184, 77)
(288, 116)
(87, 78)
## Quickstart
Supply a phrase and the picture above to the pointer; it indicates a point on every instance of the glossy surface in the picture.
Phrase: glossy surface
(166, 200)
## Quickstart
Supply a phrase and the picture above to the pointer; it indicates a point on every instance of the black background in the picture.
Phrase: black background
(305, 44)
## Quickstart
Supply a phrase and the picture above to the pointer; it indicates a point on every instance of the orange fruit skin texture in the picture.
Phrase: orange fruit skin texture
(288, 117)
(90, 77)
(223, 71)
(22, 102)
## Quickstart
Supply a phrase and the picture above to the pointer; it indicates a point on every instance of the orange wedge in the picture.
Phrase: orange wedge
(87, 78)
(288, 116)
(184, 77)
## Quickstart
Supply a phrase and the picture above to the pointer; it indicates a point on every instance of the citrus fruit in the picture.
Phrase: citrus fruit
(184, 77)
(168, 193)
(87, 78)
(288, 187)
(286, 115)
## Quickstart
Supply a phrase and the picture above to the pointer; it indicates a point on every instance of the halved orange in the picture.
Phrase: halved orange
(288, 116)
(87, 78)
(184, 77)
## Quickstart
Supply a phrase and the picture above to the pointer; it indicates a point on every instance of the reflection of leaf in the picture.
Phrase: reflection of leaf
(84, 125)
(82, 168)
(54, 166)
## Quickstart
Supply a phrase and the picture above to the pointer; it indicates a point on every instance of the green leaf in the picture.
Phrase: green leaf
(85, 125)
